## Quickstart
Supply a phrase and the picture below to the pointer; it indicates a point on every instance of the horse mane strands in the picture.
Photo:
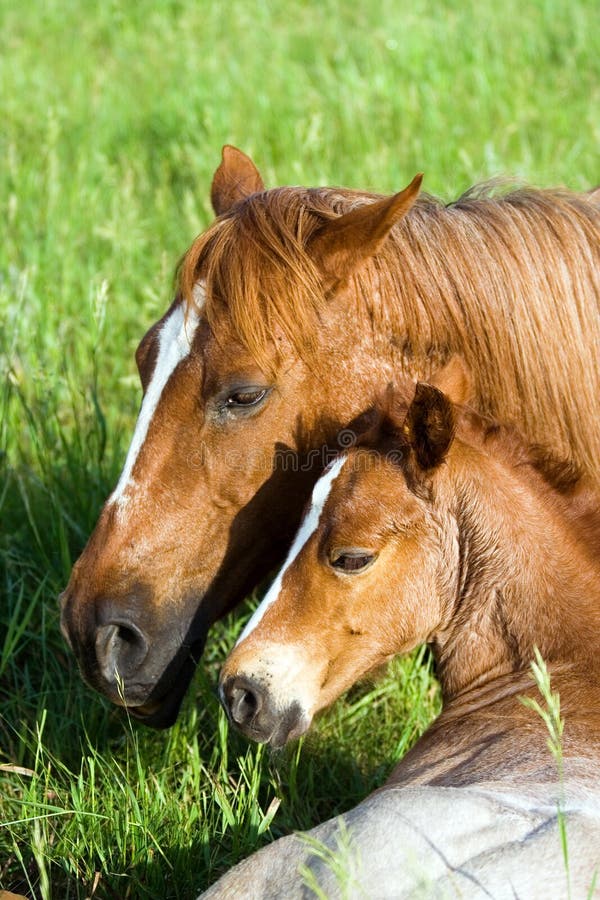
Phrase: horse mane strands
(484, 277)
(479, 278)
(256, 267)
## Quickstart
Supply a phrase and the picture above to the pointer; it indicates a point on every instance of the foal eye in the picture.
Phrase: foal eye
(246, 398)
(352, 562)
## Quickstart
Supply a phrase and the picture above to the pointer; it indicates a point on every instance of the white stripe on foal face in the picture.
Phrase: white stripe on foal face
(174, 344)
(309, 525)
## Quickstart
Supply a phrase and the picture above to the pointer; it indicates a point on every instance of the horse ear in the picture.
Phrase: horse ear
(429, 426)
(342, 244)
(236, 178)
(454, 380)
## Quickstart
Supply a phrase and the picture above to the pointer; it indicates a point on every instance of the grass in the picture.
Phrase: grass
(549, 713)
(113, 116)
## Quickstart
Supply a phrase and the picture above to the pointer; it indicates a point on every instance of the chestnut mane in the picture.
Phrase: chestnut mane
(510, 282)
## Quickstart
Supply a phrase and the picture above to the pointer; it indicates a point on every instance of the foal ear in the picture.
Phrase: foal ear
(455, 380)
(344, 243)
(236, 178)
(429, 426)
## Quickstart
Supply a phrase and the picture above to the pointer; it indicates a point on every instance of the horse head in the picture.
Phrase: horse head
(244, 379)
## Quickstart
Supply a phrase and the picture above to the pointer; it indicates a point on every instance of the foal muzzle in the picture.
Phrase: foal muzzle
(251, 708)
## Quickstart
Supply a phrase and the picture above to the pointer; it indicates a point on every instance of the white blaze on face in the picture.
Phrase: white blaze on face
(309, 525)
(174, 344)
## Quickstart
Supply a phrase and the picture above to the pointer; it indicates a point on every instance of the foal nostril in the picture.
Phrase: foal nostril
(244, 704)
(121, 648)
(251, 707)
(243, 699)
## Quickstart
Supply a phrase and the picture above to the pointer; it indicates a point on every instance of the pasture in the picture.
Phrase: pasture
(113, 117)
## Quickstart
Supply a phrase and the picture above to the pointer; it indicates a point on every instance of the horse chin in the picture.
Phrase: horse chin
(161, 709)
(159, 717)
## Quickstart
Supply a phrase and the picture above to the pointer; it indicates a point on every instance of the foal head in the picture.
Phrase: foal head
(371, 572)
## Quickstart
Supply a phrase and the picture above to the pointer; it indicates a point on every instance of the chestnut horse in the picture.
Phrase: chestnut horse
(446, 528)
(292, 307)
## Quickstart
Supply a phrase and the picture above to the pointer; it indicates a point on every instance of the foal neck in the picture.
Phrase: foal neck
(527, 577)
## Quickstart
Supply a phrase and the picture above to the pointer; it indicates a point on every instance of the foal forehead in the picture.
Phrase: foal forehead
(333, 494)
(364, 473)
(369, 492)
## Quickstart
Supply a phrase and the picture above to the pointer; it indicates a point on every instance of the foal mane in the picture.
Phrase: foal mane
(485, 277)
(559, 481)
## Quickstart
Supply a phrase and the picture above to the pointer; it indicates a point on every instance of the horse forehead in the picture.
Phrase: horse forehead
(179, 336)
(175, 339)
(179, 333)
(221, 349)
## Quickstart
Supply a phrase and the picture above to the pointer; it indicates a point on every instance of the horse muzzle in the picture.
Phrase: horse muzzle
(125, 656)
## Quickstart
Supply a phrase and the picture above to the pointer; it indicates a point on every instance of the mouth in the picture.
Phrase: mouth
(162, 707)
(292, 726)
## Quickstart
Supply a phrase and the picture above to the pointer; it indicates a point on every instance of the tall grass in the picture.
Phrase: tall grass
(113, 115)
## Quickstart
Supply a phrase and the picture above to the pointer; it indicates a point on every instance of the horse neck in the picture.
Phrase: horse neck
(526, 578)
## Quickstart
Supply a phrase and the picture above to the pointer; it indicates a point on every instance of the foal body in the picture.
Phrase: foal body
(484, 549)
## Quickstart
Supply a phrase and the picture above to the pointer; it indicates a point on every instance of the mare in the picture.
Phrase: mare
(291, 309)
(447, 528)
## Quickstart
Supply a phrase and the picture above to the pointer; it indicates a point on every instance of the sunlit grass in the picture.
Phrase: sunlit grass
(113, 116)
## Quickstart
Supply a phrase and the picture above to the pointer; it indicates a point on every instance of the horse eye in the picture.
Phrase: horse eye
(353, 562)
(246, 398)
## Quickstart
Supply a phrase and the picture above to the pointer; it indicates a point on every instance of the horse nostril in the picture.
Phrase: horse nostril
(243, 699)
(121, 649)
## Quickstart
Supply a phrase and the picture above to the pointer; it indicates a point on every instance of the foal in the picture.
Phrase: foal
(441, 527)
